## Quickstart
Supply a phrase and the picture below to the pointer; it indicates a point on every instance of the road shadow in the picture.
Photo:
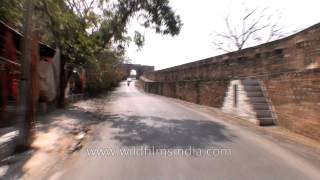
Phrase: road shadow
(158, 132)
(14, 165)
(153, 131)
(73, 116)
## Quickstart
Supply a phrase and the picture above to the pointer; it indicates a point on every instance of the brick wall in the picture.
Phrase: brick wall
(209, 93)
(295, 97)
(296, 100)
(288, 67)
(294, 53)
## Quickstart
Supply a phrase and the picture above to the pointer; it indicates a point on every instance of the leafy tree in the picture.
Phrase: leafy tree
(11, 11)
(91, 32)
(155, 14)
(69, 21)
(104, 73)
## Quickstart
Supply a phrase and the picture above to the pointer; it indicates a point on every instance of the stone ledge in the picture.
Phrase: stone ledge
(7, 141)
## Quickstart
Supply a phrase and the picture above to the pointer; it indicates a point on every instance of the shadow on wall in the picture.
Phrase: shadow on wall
(166, 133)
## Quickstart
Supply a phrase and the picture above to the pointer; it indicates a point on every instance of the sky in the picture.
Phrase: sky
(203, 17)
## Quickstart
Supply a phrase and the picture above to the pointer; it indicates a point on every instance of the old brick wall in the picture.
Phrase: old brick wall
(294, 53)
(295, 97)
(209, 93)
(212, 92)
(288, 67)
(296, 100)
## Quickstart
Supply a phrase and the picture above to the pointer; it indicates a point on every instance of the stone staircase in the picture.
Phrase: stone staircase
(259, 102)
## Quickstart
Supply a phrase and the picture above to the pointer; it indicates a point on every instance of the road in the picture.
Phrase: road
(168, 140)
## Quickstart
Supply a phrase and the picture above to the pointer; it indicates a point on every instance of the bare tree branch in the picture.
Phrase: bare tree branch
(254, 27)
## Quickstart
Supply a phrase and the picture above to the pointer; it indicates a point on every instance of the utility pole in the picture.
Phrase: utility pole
(25, 119)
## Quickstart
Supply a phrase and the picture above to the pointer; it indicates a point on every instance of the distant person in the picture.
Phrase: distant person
(129, 81)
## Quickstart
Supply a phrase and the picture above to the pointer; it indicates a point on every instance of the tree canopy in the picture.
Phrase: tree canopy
(82, 28)
(11, 11)
(86, 31)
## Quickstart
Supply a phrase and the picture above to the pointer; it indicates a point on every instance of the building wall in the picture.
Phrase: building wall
(9, 70)
(289, 68)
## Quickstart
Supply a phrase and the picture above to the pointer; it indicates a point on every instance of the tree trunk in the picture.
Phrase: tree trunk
(24, 120)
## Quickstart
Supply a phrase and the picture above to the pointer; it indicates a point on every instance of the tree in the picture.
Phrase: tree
(26, 107)
(69, 22)
(11, 12)
(254, 26)
(155, 14)
(83, 29)
(104, 73)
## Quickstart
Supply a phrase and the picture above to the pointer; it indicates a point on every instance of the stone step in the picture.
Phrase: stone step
(255, 94)
(252, 88)
(257, 99)
(8, 138)
(261, 106)
(266, 121)
(264, 113)
(251, 82)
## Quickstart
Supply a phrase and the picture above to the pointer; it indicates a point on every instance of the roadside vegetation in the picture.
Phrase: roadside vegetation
(93, 34)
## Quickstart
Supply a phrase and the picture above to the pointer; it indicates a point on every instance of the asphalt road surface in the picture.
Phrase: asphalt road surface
(146, 136)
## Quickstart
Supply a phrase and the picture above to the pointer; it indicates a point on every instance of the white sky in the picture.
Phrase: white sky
(201, 18)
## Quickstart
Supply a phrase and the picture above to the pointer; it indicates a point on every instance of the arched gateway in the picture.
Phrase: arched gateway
(140, 69)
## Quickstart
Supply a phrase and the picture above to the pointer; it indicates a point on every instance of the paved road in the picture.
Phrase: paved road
(167, 132)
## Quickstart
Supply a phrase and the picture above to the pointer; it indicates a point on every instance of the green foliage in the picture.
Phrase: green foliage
(11, 11)
(104, 73)
(67, 29)
(92, 34)
(155, 14)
